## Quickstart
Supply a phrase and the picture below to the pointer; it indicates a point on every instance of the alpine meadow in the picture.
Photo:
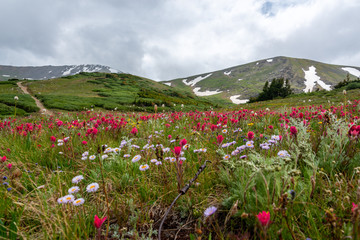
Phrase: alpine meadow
(180, 120)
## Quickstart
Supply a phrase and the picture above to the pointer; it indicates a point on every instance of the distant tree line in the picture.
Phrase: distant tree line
(278, 88)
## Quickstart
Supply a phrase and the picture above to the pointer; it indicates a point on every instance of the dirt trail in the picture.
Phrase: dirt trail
(38, 103)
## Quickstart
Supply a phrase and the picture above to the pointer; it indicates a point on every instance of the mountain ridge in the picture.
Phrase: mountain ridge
(50, 71)
(239, 83)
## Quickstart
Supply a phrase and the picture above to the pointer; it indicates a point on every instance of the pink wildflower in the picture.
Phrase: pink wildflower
(264, 218)
(98, 221)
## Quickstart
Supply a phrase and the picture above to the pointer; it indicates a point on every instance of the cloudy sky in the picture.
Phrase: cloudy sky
(166, 39)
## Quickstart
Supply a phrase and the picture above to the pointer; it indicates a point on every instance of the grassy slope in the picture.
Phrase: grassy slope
(110, 91)
(24, 106)
(325, 98)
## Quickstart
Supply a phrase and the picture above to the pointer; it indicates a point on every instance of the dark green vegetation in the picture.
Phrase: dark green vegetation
(123, 92)
(279, 88)
(348, 84)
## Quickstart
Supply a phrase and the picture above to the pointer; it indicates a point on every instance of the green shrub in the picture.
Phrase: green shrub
(353, 85)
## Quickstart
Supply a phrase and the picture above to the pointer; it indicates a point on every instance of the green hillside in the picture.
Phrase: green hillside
(248, 80)
(122, 92)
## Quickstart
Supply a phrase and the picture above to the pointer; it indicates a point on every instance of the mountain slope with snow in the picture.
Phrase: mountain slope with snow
(49, 72)
(239, 83)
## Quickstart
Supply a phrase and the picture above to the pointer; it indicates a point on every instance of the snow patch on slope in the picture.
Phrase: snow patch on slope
(206, 93)
(6, 75)
(269, 60)
(312, 79)
(68, 71)
(195, 81)
(168, 83)
(352, 71)
(227, 73)
(235, 99)
(113, 70)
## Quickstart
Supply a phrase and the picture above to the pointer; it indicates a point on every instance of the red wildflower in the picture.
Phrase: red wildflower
(354, 131)
(250, 135)
(293, 130)
(3, 159)
(271, 127)
(9, 166)
(84, 142)
(177, 151)
(183, 142)
(264, 218)
(134, 131)
(219, 139)
(53, 139)
(98, 221)
(354, 206)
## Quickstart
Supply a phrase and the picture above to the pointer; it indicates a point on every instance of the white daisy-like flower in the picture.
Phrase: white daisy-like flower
(136, 158)
(116, 150)
(186, 146)
(182, 158)
(283, 154)
(77, 179)
(108, 150)
(79, 201)
(60, 144)
(74, 189)
(235, 152)
(126, 155)
(153, 160)
(226, 157)
(92, 187)
(224, 131)
(225, 145)
(92, 157)
(60, 141)
(172, 159)
(61, 200)
(69, 198)
(249, 144)
(104, 156)
(275, 137)
(85, 154)
(202, 149)
(158, 163)
(84, 158)
(210, 211)
(166, 150)
(144, 167)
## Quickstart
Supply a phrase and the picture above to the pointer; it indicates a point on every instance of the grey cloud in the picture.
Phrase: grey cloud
(168, 39)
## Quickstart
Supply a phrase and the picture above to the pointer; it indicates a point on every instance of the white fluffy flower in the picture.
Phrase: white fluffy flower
(92, 187)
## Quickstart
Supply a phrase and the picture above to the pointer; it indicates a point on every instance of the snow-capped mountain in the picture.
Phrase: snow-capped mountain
(48, 72)
(239, 83)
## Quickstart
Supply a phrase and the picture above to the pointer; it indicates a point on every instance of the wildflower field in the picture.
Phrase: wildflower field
(286, 173)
